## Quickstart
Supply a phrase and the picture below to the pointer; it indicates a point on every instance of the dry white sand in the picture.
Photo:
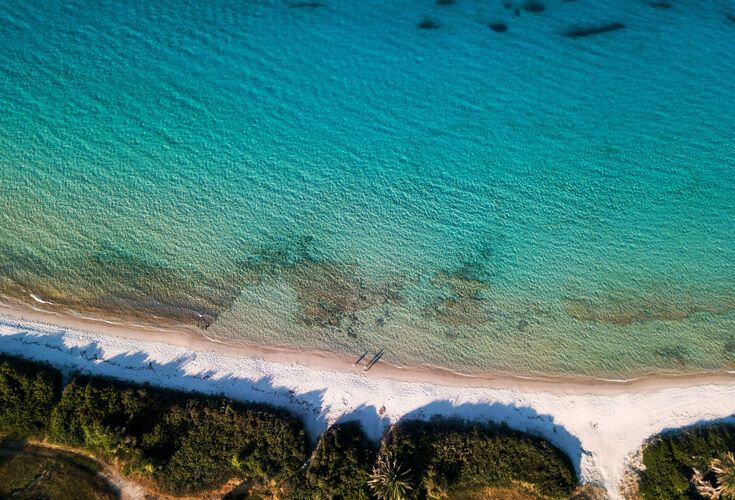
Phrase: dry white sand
(600, 425)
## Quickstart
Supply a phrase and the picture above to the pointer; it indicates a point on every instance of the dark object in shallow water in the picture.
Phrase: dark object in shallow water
(661, 5)
(533, 6)
(593, 30)
(730, 16)
(306, 5)
(446, 2)
(428, 23)
(498, 27)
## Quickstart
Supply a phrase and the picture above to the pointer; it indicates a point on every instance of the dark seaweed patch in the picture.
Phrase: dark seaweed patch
(329, 294)
(332, 295)
(678, 354)
(534, 6)
(498, 27)
(465, 303)
(428, 23)
(116, 283)
(580, 32)
(446, 2)
(630, 310)
(306, 5)
(730, 16)
(661, 5)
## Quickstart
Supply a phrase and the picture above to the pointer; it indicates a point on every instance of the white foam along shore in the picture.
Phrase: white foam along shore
(600, 426)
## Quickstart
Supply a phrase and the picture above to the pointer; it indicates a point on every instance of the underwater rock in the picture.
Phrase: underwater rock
(428, 23)
(465, 304)
(580, 32)
(122, 284)
(498, 27)
(306, 5)
(626, 311)
(446, 2)
(661, 5)
(331, 294)
(533, 6)
(678, 354)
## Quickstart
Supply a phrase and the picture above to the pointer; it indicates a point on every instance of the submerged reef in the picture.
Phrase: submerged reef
(581, 32)
(661, 5)
(115, 282)
(533, 6)
(428, 23)
(464, 303)
(306, 5)
(626, 311)
(677, 354)
(329, 294)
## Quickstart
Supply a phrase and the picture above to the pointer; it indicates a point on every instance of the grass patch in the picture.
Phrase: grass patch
(672, 459)
(447, 458)
(32, 472)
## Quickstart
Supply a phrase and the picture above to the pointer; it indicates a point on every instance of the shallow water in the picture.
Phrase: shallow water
(557, 198)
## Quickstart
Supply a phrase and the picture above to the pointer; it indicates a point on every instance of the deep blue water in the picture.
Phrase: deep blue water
(331, 175)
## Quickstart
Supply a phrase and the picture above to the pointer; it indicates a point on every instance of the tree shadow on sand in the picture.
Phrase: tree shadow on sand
(520, 418)
(138, 367)
(311, 406)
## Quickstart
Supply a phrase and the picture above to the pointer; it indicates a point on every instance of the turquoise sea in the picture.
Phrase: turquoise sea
(557, 197)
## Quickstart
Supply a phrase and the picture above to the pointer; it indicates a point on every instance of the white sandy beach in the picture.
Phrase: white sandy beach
(601, 425)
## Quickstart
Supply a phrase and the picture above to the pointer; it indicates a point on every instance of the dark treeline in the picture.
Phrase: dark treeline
(185, 443)
(690, 463)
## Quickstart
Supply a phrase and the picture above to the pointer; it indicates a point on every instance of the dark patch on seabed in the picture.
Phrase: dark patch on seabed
(533, 6)
(678, 354)
(329, 294)
(464, 304)
(623, 312)
(306, 5)
(428, 23)
(661, 5)
(581, 32)
(498, 27)
(117, 284)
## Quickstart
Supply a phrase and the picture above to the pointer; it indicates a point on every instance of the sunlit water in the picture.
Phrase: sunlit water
(331, 175)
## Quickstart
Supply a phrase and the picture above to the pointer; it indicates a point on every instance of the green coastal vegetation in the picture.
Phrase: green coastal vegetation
(451, 459)
(38, 472)
(691, 463)
(189, 444)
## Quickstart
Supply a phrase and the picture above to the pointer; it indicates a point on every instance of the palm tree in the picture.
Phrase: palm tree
(388, 481)
(704, 487)
(724, 469)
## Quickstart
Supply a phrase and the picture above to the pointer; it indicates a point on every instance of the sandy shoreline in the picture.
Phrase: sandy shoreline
(600, 424)
(196, 339)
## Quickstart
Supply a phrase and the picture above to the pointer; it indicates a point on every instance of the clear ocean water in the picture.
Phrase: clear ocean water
(344, 175)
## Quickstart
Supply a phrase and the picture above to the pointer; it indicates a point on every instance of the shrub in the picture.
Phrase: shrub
(672, 460)
(453, 457)
(28, 391)
(340, 465)
(185, 443)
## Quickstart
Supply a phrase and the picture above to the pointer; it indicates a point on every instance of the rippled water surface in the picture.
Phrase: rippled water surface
(534, 187)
